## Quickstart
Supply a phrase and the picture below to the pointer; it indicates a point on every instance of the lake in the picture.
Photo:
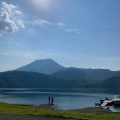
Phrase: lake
(63, 98)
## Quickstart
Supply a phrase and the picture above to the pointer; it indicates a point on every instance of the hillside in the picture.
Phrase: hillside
(71, 73)
(23, 79)
(113, 83)
(47, 66)
(107, 84)
(88, 74)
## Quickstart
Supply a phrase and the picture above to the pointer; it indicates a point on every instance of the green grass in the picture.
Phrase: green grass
(31, 110)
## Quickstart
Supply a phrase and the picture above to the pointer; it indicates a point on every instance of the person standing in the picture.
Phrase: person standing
(49, 100)
(52, 100)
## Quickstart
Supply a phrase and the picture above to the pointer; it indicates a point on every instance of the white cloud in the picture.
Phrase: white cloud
(9, 19)
(73, 30)
(45, 23)
(42, 23)
(60, 24)
(7, 25)
(18, 12)
(8, 7)
(21, 24)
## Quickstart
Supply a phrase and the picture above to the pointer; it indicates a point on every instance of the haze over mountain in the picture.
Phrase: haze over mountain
(47, 66)
(50, 67)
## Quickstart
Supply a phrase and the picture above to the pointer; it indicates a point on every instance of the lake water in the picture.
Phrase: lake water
(63, 98)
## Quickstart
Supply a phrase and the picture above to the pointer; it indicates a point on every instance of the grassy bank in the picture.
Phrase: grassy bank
(31, 110)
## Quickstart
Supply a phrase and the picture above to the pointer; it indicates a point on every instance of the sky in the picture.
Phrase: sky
(74, 33)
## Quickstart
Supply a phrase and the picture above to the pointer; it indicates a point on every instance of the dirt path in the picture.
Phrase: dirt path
(4, 116)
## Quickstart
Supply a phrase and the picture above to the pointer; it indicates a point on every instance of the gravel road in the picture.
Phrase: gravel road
(4, 116)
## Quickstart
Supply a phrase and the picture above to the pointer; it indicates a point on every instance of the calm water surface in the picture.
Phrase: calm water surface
(63, 98)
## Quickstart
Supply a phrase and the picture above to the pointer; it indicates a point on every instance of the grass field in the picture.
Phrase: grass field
(31, 110)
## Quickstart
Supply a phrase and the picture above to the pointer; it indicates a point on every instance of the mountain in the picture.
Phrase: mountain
(50, 67)
(90, 74)
(47, 66)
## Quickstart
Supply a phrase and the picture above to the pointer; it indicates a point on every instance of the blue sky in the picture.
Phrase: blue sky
(74, 33)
